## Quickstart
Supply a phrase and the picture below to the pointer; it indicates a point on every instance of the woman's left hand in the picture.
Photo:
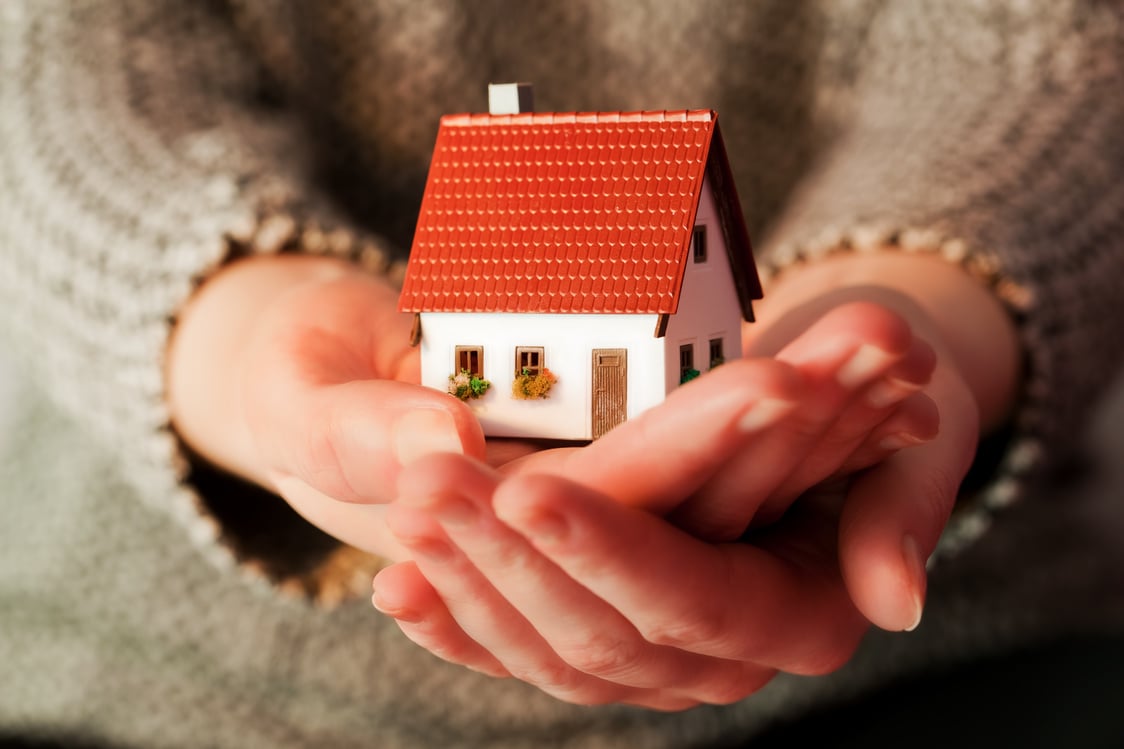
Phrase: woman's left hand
(592, 601)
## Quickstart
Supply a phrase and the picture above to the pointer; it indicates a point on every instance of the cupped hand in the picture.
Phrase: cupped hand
(547, 580)
(856, 520)
(331, 404)
(896, 501)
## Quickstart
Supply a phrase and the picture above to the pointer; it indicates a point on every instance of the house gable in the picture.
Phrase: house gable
(709, 302)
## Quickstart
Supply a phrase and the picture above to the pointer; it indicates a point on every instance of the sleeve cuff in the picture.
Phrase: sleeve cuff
(240, 526)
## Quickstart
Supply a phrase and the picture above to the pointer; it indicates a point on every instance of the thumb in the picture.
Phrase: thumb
(349, 441)
(894, 515)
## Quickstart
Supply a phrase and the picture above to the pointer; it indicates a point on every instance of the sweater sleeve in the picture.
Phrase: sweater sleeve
(136, 156)
(991, 134)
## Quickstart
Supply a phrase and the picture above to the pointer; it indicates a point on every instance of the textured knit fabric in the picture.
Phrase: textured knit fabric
(145, 143)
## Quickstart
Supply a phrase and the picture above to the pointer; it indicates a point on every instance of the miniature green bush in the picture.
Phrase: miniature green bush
(689, 375)
(529, 386)
(466, 385)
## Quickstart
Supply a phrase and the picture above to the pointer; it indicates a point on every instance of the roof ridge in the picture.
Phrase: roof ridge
(558, 118)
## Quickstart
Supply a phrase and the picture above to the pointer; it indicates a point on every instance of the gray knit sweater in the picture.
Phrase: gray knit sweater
(149, 602)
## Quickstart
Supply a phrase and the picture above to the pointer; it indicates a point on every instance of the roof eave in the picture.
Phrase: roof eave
(738, 247)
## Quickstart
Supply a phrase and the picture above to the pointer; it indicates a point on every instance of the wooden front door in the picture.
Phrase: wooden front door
(610, 388)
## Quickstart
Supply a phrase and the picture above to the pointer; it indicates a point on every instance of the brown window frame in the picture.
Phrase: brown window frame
(462, 359)
(686, 359)
(717, 351)
(536, 359)
(698, 244)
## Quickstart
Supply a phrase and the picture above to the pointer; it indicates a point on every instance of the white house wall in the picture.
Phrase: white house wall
(708, 303)
(568, 342)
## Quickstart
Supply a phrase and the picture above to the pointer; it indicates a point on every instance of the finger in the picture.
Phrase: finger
(583, 630)
(861, 437)
(854, 342)
(403, 593)
(349, 441)
(330, 397)
(839, 357)
(910, 374)
(915, 421)
(486, 617)
(360, 525)
(502, 451)
(720, 412)
(895, 512)
(731, 601)
(859, 360)
(498, 628)
(860, 411)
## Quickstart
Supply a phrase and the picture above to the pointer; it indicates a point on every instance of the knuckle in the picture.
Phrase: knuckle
(454, 653)
(841, 439)
(941, 481)
(510, 555)
(736, 686)
(319, 445)
(695, 633)
(603, 655)
(833, 655)
(557, 679)
(321, 456)
(826, 662)
(937, 492)
(443, 645)
(315, 455)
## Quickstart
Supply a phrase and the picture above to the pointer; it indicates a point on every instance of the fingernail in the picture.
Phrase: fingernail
(888, 391)
(915, 564)
(867, 361)
(900, 441)
(397, 612)
(764, 413)
(425, 431)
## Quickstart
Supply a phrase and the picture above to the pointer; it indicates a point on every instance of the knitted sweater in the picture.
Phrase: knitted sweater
(147, 601)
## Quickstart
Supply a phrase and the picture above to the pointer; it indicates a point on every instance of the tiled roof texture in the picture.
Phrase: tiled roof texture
(558, 213)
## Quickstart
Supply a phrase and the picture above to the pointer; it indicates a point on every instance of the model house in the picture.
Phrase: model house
(570, 270)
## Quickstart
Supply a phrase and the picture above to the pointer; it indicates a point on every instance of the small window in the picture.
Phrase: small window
(470, 358)
(717, 355)
(528, 360)
(698, 244)
(687, 369)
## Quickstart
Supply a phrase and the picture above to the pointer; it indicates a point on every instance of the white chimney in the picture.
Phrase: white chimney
(510, 98)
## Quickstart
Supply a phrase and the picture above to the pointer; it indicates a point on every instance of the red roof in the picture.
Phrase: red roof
(579, 212)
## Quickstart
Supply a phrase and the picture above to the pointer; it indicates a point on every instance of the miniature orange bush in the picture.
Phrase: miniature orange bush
(529, 386)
